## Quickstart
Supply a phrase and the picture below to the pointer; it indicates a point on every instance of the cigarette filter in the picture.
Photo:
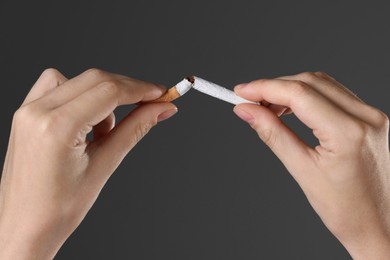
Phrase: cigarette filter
(205, 87)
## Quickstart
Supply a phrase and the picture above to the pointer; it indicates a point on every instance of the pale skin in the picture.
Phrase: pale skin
(52, 174)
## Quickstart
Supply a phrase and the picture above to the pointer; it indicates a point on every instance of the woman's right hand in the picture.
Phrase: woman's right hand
(346, 178)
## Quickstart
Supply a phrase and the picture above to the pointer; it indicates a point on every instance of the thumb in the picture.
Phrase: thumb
(109, 151)
(289, 148)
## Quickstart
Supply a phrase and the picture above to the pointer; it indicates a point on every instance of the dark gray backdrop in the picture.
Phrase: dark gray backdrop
(227, 196)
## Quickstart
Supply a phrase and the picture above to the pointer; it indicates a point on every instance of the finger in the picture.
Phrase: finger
(94, 105)
(276, 109)
(49, 79)
(313, 109)
(275, 134)
(343, 97)
(326, 77)
(110, 150)
(104, 127)
(89, 79)
(336, 92)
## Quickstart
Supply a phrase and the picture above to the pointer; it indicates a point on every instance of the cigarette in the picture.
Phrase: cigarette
(205, 87)
(175, 92)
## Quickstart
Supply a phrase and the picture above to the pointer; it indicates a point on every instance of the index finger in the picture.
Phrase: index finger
(313, 109)
(95, 104)
(91, 78)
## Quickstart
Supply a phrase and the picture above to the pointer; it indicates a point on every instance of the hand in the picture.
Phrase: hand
(52, 174)
(346, 178)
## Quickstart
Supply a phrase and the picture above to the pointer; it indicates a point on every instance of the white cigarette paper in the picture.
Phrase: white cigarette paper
(219, 92)
(205, 87)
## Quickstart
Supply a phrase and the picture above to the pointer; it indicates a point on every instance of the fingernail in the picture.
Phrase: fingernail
(167, 114)
(245, 116)
(240, 86)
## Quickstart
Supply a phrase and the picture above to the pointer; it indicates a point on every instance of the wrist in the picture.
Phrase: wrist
(17, 242)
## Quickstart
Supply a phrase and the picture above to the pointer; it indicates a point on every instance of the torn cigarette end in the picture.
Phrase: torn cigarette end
(191, 79)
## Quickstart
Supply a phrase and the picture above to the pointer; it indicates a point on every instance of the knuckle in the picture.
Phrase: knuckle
(109, 87)
(141, 130)
(307, 76)
(96, 73)
(19, 117)
(380, 119)
(52, 75)
(299, 88)
(50, 124)
(39, 126)
(20, 114)
(312, 76)
(24, 114)
(321, 74)
(385, 122)
(268, 137)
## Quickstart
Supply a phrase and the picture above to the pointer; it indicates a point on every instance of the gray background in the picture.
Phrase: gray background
(226, 196)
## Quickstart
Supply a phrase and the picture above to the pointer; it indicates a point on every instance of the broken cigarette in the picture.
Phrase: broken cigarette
(205, 87)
